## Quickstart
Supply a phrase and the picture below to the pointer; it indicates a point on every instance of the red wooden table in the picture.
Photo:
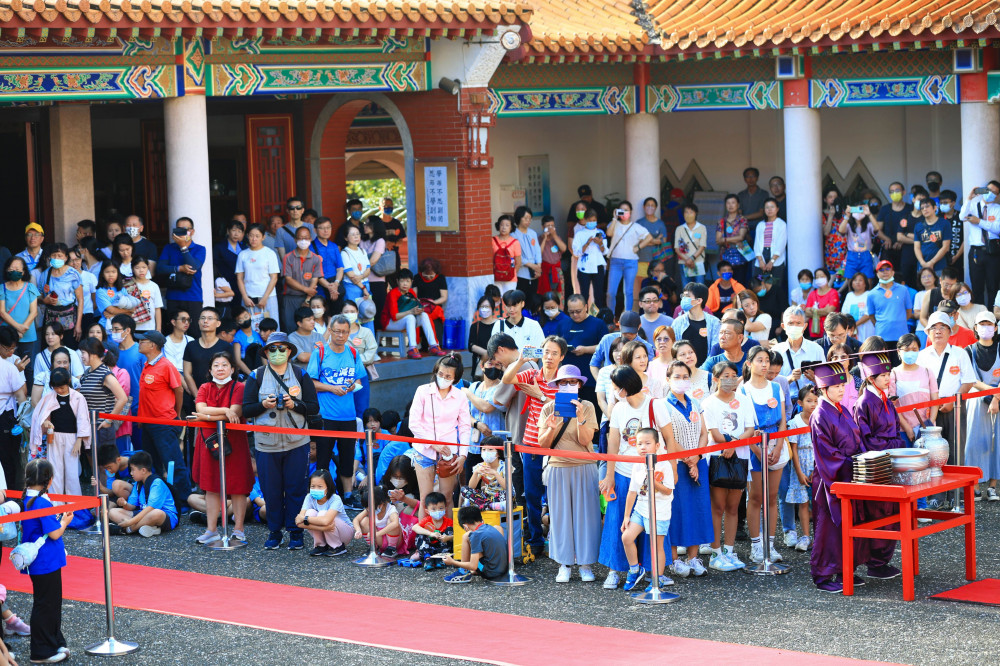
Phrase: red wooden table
(908, 531)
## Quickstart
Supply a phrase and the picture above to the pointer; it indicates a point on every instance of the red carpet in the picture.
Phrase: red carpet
(980, 592)
(282, 608)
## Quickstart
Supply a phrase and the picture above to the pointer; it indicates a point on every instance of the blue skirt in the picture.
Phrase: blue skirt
(691, 511)
(612, 553)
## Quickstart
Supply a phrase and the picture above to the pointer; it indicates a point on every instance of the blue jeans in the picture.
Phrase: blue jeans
(533, 490)
(161, 443)
(859, 262)
(620, 269)
(284, 481)
(786, 510)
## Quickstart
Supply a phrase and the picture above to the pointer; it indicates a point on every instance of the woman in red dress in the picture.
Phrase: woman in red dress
(221, 399)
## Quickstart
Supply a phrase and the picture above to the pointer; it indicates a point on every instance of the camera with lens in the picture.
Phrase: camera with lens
(281, 401)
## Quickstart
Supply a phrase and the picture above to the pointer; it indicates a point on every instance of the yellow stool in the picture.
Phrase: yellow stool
(497, 519)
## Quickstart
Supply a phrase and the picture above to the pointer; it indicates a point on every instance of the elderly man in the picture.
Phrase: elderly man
(797, 350)
(731, 344)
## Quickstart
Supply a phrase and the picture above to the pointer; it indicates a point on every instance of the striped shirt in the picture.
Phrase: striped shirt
(533, 405)
(768, 232)
(92, 387)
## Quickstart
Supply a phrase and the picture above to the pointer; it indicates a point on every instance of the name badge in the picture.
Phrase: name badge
(734, 403)
(772, 403)
(953, 369)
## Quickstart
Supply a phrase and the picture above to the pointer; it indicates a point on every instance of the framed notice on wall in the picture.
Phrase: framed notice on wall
(533, 171)
(437, 196)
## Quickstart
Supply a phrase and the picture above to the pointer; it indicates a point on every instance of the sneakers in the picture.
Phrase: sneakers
(858, 581)
(802, 545)
(389, 552)
(696, 566)
(791, 538)
(611, 582)
(295, 542)
(208, 537)
(333, 551)
(273, 541)
(198, 517)
(681, 550)
(991, 495)
(734, 558)
(775, 555)
(586, 574)
(564, 573)
(756, 552)
(414, 354)
(705, 549)
(115, 530)
(239, 536)
(680, 568)
(436, 351)
(15, 626)
(977, 495)
(633, 578)
(459, 576)
(720, 562)
(319, 550)
(884, 572)
(149, 531)
(54, 659)
(831, 585)
(665, 581)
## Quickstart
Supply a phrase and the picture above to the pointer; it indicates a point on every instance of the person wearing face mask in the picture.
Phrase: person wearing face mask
(890, 305)
(589, 202)
(949, 213)
(722, 291)
(62, 289)
(770, 239)
(698, 327)
(968, 312)
(982, 211)
(589, 246)
(180, 266)
(488, 414)
(302, 270)
(141, 246)
(860, 227)
(822, 301)
(245, 337)
(982, 427)
(912, 384)
(506, 255)
(62, 414)
(731, 237)
(480, 331)
(571, 483)
(282, 458)
(553, 320)
(796, 350)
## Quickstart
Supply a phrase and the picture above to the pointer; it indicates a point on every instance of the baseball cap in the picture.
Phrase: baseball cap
(584, 190)
(155, 337)
(940, 318)
(629, 322)
(986, 316)
(34, 226)
(947, 305)
(885, 263)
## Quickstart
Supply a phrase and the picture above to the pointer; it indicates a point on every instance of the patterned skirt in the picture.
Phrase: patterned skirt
(835, 252)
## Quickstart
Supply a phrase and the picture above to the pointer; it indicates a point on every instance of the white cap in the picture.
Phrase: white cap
(986, 316)
(940, 318)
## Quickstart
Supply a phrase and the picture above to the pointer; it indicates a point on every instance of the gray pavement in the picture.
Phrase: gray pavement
(784, 612)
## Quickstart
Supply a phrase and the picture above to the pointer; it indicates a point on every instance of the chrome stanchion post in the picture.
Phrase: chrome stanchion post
(372, 559)
(766, 568)
(958, 452)
(95, 529)
(655, 595)
(111, 646)
(512, 578)
(225, 543)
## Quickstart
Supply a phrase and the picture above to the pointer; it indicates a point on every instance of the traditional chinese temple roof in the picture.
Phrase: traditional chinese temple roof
(292, 18)
(635, 29)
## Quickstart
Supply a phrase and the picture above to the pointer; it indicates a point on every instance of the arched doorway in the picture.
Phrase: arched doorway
(329, 165)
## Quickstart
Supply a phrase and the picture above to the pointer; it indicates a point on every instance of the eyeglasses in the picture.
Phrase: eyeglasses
(647, 301)
(209, 318)
(294, 207)
(662, 339)
(184, 320)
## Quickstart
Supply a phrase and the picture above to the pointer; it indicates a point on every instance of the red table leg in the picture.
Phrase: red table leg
(970, 534)
(847, 520)
(906, 540)
(916, 542)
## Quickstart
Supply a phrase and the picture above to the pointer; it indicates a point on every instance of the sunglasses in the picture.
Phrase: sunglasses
(294, 207)
(278, 348)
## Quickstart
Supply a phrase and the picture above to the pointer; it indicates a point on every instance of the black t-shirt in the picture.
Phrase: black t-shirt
(145, 248)
(394, 233)
(62, 418)
(725, 297)
(200, 358)
(933, 299)
(430, 289)
(957, 234)
(890, 220)
(479, 334)
(697, 335)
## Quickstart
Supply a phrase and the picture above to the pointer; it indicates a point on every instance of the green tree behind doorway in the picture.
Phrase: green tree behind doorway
(371, 193)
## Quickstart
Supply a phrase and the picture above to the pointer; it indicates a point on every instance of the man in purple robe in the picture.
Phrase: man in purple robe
(835, 438)
(878, 421)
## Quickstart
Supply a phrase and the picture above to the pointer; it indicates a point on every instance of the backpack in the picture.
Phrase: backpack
(503, 262)
(179, 500)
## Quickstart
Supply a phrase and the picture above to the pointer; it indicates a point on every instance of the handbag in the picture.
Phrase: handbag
(386, 265)
(178, 281)
(728, 473)
(212, 441)
(64, 314)
(445, 467)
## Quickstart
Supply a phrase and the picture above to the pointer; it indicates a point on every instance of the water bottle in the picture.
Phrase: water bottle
(170, 472)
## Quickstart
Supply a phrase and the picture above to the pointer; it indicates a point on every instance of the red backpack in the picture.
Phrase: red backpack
(503, 262)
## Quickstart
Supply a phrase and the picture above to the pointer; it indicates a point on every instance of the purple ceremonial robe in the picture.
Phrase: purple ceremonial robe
(835, 438)
(879, 431)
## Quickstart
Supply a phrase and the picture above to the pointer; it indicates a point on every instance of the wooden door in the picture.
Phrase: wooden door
(154, 171)
(270, 166)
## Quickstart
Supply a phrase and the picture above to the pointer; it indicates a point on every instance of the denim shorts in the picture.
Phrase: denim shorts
(662, 526)
(420, 459)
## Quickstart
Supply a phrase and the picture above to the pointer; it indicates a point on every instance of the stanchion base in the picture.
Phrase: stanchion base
(112, 647)
(511, 580)
(655, 597)
(374, 561)
(766, 568)
(226, 544)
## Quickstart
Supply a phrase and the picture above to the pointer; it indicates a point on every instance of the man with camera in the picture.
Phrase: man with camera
(180, 266)
(278, 395)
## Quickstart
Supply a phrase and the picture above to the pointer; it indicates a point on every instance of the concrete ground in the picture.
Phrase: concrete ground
(782, 612)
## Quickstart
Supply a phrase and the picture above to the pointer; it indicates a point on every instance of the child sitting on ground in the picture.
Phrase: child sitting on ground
(636, 520)
(486, 485)
(116, 481)
(435, 533)
(387, 528)
(149, 509)
(799, 487)
(484, 549)
(255, 500)
(323, 515)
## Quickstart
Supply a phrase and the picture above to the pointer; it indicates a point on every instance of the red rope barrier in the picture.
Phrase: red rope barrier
(72, 503)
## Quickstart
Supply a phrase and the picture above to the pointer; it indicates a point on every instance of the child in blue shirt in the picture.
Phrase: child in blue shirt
(48, 644)
(150, 509)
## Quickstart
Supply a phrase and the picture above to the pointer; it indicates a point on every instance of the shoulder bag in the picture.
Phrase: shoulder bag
(730, 473)
(445, 468)
(212, 441)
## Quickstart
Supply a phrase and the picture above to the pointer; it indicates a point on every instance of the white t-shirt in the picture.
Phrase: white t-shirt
(640, 485)
(857, 307)
(625, 240)
(732, 418)
(629, 420)
(355, 261)
(390, 511)
(222, 283)
(11, 379)
(257, 267)
(151, 296)
(89, 281)
(591, 260)
(174, 351)
(762, 335)
(528, 334)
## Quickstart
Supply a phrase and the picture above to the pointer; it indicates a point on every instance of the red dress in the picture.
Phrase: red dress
(205, 470)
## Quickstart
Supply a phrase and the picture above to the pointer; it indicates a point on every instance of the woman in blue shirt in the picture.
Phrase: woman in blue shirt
(47, 640)
(110, 287)
(19, 307)
(61, 289)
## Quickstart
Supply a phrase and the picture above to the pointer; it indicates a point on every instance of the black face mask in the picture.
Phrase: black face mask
(245, 324)
(492, 373)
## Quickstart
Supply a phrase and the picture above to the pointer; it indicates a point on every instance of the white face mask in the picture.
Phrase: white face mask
(223, 382)
(986, 332)
(795, 332)
(442, 382)
(485, 313)
(302, 244)
(680, 385)
(397, 483)
(132, 231)
(551, 312)
(820, 282)
(489, 455)
(318, 312)
(351, 317)
(963, 299)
